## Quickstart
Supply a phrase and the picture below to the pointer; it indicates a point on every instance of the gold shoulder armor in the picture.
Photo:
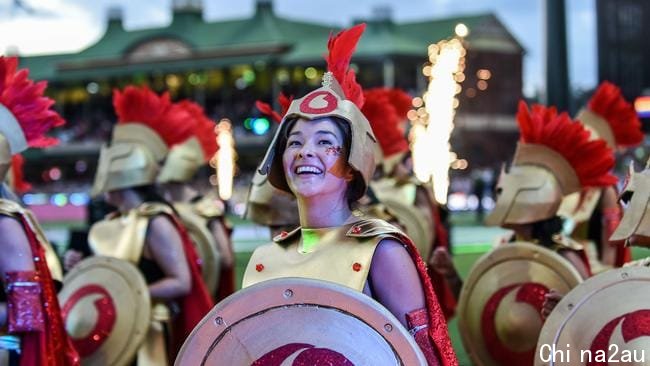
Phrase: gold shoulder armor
(10, 208)
(154, 208)
(286, 237)
(372, 227)
(209, 207)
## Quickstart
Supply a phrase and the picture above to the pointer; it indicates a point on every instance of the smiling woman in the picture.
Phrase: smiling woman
(323, 154)
(314, 160)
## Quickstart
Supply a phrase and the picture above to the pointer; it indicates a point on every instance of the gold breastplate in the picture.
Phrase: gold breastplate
(123, 236)
(342, 255)
(13, 209)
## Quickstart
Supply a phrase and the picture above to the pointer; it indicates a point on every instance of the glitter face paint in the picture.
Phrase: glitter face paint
(334, 150)
(340, 168)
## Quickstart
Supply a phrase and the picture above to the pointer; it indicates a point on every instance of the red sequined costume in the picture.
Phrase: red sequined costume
(33, 311)
(35, 315)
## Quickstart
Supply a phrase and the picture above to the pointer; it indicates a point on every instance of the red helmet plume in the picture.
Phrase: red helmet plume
(340, 49)
(25, 101)
(203, 128)
(386, 109)
(591, 160)
(608, 102)
(18, 182)
(267, 110)
(141, 105)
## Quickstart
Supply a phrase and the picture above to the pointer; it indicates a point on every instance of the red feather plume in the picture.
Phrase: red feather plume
(25, 100)
(267, 110)
(591, 160)
(402, 102)
(141, 105)
(608, 102)
(340, 49)
(203, 128)
(20, 185)
(385, 110)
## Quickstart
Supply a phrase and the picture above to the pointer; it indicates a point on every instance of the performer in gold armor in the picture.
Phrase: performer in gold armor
(594, 214)
(544, 170)
(323, 153)
(33, 332)
(507, 293)
(204, 216)
(145, 230)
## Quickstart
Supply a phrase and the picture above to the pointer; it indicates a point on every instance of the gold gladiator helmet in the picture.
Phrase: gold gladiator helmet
(185, 159)
(636, 192)
(340, 97)
(147, 126)
(25, 114)
(553, 158)
(610, 117)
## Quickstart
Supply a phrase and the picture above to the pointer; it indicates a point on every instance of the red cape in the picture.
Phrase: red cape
(441, 287)
(437, 324)
(52, 347)
(196, 304)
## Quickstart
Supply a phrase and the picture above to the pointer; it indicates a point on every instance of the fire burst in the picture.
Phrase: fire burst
(433, 121)
(224, 159)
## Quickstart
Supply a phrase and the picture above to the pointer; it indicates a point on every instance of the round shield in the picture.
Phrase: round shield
(297, 321)
(204, 243)
(604, 319)
(501, 300)
(106, 309)
(417, 226)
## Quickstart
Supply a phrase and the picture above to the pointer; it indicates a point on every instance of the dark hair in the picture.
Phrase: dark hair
(544, 230)
(356, 188)
(149, 193)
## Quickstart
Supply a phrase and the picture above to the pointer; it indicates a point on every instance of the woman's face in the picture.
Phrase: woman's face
(314, 159)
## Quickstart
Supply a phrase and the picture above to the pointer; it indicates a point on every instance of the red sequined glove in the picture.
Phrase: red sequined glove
(418, 326)
(24, 306)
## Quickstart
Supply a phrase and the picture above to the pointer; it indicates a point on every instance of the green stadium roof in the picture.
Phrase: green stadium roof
(263, 37)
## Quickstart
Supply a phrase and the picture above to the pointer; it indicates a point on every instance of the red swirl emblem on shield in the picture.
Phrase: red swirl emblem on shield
(319, 102)
(633, 325)
(106, 317)
(527, 293)
(307, 354)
